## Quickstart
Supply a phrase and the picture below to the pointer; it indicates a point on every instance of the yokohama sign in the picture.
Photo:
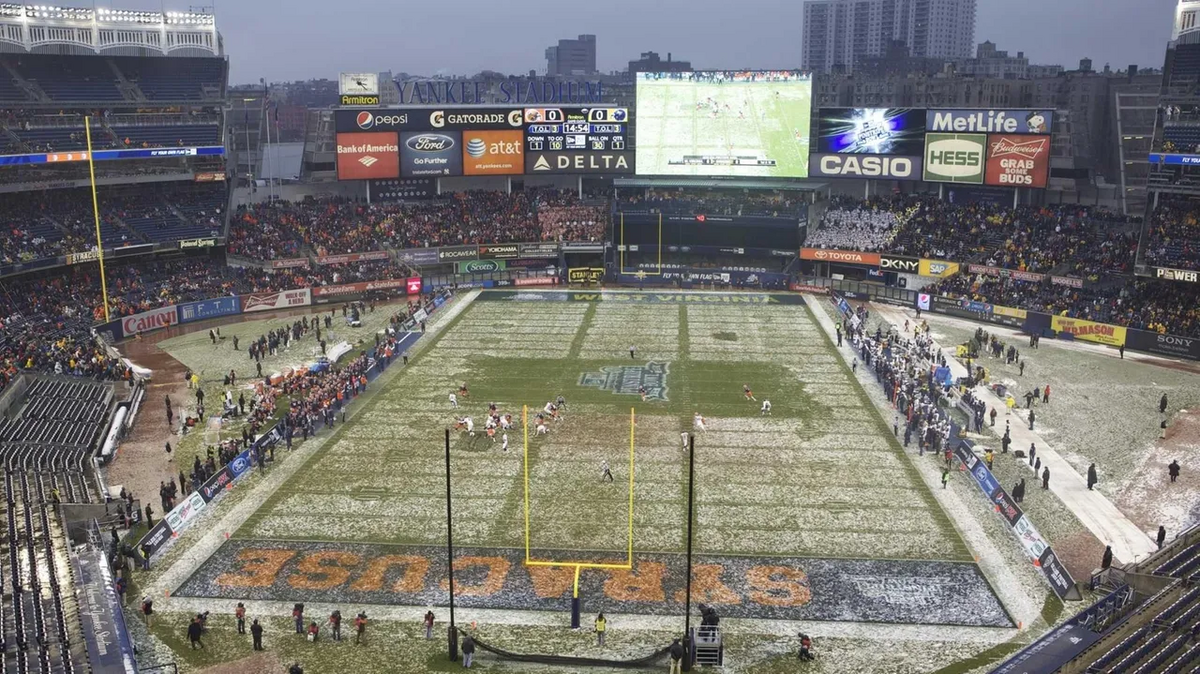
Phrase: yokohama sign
(301, 297)
(843, 256)
(149, 321)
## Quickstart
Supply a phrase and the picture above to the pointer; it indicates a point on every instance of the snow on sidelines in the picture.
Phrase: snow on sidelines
(180, 570)
(1014, 592)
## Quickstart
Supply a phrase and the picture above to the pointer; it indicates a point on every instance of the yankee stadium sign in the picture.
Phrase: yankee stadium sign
(514, 90)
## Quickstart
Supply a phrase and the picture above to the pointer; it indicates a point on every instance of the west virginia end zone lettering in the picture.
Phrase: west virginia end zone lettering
(678, 298)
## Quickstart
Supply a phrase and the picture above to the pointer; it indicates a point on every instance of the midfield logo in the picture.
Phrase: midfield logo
(627, 379)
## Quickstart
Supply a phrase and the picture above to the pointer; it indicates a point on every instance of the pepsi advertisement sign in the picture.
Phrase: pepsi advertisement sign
(430, 154)
(427, 119)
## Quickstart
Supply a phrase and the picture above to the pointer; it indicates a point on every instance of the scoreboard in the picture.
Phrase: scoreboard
(576, 129)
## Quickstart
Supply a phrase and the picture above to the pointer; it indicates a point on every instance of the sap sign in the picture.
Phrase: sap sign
(955, 157)
(865, 166)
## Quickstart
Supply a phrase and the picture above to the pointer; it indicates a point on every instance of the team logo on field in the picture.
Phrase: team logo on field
(626, 380)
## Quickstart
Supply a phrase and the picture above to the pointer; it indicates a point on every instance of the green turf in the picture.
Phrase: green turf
(788, 484)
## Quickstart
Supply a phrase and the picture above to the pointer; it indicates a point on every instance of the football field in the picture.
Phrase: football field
(812, 512)
(734, 119)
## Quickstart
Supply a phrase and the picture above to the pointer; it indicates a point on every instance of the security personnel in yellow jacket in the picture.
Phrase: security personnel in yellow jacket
(601, 625)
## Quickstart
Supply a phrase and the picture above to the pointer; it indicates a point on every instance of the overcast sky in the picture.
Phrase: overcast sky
(298, 39)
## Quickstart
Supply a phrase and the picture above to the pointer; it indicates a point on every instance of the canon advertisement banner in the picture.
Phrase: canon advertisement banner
(428, 153)
(215, 308)
(286, 299)
(1018, 161)
(367, 156)
(150, 321)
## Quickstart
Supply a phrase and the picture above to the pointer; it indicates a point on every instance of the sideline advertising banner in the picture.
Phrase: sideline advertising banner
(1089, 331)
(937, 268)
(842, 256)
(214, 308)
(352, 257)
(1167, 345)
(286, 299)
(456, 253)
(287, 263)
(149, 321)
(482, 266)
(585, 274)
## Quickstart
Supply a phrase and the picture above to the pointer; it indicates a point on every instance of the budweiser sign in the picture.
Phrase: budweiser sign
(149, 321)
(281, 300)
(1029, 149)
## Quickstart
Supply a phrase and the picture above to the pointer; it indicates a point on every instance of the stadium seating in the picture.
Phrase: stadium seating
(170, 136)
(1182, 137)
(75, 78)
(174, 79)
(1173, 235)
(1183, 564)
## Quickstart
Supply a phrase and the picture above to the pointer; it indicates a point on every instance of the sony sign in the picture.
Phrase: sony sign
(865, 166)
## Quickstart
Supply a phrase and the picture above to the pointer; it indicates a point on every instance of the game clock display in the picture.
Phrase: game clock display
(576, 129)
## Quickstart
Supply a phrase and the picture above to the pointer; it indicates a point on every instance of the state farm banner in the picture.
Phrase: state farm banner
(807, 288)
(842, 256)
(285, 299)
(288, 263)
(360, 287)
(352, 257)
(1017, 161)
(1089, 331)
(149, 321)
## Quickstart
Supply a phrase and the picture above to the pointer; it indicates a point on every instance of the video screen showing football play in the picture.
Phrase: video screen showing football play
(724, 123)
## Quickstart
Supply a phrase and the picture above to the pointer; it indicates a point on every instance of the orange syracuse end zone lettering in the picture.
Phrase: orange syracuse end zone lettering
(260, 567)
(645, 585)
(415, 568)
(493, 582)
(551, 581)
(778, 586)
(707, 586)
(323, 570)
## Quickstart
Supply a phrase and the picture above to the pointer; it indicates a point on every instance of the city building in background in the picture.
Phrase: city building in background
(572, 57)
(651, 62)
(839, 34)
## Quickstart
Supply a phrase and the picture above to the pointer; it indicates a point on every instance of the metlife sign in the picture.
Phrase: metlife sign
(989, 121)
(955, 157)
(873, 167)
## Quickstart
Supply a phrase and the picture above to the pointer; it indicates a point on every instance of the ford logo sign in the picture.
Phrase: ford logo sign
(430, 142)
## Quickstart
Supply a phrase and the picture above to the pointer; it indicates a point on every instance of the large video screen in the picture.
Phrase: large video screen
(724, 123)
(892, 131)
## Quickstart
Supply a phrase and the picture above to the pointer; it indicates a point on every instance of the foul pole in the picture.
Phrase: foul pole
(87, 127)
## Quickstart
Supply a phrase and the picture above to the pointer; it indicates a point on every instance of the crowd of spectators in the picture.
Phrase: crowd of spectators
(337, 225)
(1064, 239)
(704, 201)
(1172, 308)
(1173, 236)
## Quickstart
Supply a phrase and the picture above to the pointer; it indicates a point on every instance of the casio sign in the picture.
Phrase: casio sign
(870, 167)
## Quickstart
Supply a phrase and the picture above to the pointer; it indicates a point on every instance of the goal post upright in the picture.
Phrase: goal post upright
(525, 464)
(632, 426)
